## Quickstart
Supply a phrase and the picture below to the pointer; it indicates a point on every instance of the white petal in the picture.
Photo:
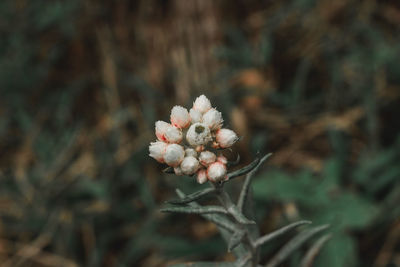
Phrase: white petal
(189, 165)
(157, 150)
(226, 138)
(213, 119)
(202, 104)
(195, 115)
(180, 117)
(198, 134)
(216, 172)
(174, 155)
(206, 158)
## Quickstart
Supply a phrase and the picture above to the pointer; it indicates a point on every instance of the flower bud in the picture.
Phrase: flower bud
(189, 165)
(226, 138)
(213, 119)
(173, 134)
(201, 176)
(157, 150)
(195, 115)
(178, 171)
(161, 128)
(198, 134)
(222, 159)
(202, 104)
(216, 172)
(190, 152)
(206, 158)
(180, 117)
(174, 155)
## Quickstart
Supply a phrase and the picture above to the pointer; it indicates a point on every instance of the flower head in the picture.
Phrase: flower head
(206, 158)
(213, 119)
(174, 155)
(201, 176)
(189, 165)
(173, 134)
(202, 104)
(198, 134)
(226, 138)
(161, 128)
(180, 117)
(216, 172)
(157, 150)
(195, 115)
(190, 152)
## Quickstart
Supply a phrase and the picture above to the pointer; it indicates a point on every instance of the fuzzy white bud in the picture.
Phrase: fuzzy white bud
(189, 165)
(174, 155)
(180, 117)
(161, 127)
(173, 134)
(190, 152)
(206, 158)
(202, 104)
(226, 138)
(213, 119)
(198, 134)
(216, 172)
(157, 150)
(201, 176)
(222, 159)
(195, 115)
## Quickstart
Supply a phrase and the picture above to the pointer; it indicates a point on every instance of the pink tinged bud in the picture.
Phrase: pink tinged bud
(206, 158)
(195, 115)
(178, 171)
(222, 159)
(189, 165)
(202, 104)
(173, 134)
(190, 152)
(157, 150)
(180, 117)
(201, 176)
(226, 138)
(213, 119)
(216, 172)
(161, 128)
(198, 134)
(174, 155)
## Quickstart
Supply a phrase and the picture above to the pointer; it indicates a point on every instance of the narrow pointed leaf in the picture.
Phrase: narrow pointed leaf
(314, 250)
(197, 210)
(239, 216)
(294, 244)
(192, 197)
(246, 186)
(235, 240)
(242, 262)
(243, 170)
(266, 238)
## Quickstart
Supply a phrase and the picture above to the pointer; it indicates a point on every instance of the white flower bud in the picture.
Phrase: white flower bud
(226, 138)
(173, 134)
(157, 150)
(190, 152)
(174, 155)
(195, 115)
(161, 128)
(216, 172)
(202, 104)
(213, 119)
(180, 117)
(201, 176)
(178, 171)
(206, 158)
(189, 165)
(198, 134)
(222, 159)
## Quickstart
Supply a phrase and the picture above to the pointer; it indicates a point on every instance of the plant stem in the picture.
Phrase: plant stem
(229, 205)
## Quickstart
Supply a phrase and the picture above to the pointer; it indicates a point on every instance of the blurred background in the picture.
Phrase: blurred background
(317, 83)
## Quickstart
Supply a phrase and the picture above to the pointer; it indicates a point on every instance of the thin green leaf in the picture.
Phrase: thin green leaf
(266, 238)
(243, 170)
(192, 197)
(242, 262)
(245, 189)
(314, 250)
(235, 240)
(238, 216)
(294, 244)
(197, 210)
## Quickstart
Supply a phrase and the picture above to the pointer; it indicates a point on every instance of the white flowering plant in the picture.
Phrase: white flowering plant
(192, 144)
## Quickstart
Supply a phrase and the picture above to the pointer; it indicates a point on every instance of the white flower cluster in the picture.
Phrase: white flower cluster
(183, 143)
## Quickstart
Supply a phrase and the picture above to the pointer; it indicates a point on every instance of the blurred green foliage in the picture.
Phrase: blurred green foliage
(76, 182)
